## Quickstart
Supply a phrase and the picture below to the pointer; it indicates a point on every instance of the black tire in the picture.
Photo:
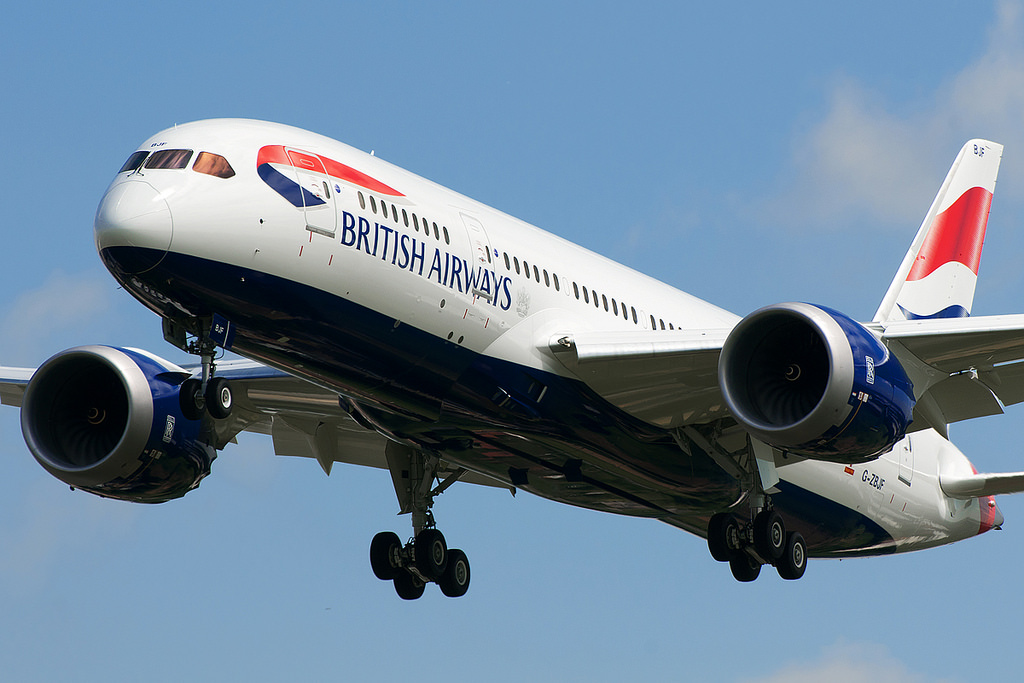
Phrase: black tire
(408, 586)
(723, 536)
(455, 581)
(743, 568)
(431, 554)
(793, 563)
(188, 395)
(769, 535)
(384, 555)
(219, 398)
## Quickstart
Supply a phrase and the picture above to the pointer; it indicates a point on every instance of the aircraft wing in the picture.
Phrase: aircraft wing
(966, 367)
(302, 419)
(669, 379)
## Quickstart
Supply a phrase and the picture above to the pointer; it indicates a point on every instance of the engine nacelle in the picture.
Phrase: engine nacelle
(109, 421)
(811, 381)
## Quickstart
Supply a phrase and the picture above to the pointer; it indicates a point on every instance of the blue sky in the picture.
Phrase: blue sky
(746, 155)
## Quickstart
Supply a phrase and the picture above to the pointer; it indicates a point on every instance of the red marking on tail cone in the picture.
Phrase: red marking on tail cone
(988, 513)
(957, 234)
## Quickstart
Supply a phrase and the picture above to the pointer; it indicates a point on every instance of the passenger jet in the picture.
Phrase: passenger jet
(386, 321)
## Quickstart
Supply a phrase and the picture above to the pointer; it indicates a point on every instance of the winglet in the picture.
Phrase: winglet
(939, 273)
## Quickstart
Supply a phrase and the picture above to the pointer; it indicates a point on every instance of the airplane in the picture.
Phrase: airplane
(382, 320)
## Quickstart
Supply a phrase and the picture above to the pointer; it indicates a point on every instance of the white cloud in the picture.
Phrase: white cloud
(846, 662)
(63, 303)
(865, 161)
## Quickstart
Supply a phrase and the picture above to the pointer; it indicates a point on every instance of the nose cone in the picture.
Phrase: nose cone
(133, 227)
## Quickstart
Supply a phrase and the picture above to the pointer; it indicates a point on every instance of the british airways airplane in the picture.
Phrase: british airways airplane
(386, 321)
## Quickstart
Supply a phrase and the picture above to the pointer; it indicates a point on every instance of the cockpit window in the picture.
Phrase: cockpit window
(169, 158)
(134, 161)
(213, 164)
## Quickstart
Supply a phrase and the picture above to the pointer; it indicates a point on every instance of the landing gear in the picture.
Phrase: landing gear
(206, 394)
(427, 557)
(762, 541)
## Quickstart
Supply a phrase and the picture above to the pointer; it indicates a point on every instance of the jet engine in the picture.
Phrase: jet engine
(813, 382)
(108, 421)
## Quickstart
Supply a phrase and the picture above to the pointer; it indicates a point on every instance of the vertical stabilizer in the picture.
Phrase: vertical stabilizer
(938, 275)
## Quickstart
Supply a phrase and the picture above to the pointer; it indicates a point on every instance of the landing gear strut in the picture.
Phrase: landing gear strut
(426, 558)
(761, 539)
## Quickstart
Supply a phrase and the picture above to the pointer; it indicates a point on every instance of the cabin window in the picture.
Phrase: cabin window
(373, 204)
(536, 274)
(615, 308)
(554, 279)
(526, 268)
(362, 201)
(134, 161)
(169, 158)
(437, 233)
(218, 166)
(508, 266)
(515, 262)
(605, 300)
(576, 290)
(445, 230)
(547, 281)
(405, 218)
(586, 296)
(597, 304)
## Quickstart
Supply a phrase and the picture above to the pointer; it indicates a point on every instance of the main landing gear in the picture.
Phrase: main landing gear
(426, 558)
(762, 541)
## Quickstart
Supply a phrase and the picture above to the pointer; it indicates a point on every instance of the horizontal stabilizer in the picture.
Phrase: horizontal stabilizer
(980, 485)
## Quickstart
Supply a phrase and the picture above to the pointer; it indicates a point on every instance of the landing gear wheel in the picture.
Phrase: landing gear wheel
(384, 549)
(793, 562)
(431, 554)
(769, 535)
(743, 568)
(408, 586)
(218, 398)
(723, 536)
(189, 399)
(455, 581)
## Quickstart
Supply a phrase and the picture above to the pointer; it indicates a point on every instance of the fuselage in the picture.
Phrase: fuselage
(430, 315)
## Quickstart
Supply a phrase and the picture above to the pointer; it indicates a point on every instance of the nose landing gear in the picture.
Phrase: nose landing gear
(206, 394)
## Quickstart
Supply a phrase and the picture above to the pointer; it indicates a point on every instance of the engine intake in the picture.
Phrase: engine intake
(108, 421)
(811, 381)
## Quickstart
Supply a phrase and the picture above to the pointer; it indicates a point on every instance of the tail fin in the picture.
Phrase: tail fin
(939, 273)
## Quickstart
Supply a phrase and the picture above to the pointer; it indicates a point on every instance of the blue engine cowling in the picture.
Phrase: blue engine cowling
(813, 382)
(108, 421)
